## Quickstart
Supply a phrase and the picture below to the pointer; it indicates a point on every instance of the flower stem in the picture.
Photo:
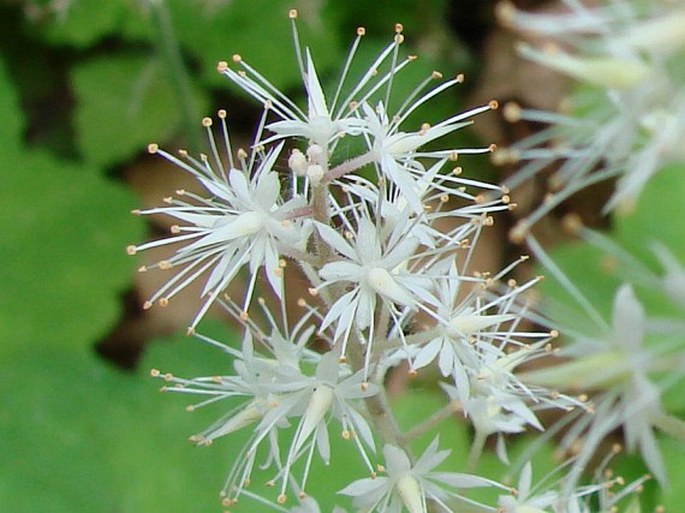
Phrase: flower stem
(167, 45)
(476, 450)
(431, 422)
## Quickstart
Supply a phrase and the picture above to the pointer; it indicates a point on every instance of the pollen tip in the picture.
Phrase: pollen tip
(147, 305)
(292, 14)
(518, 233)
(493, 104)
(361, 31)
(459, 78)
(154, 373)
(236, 58)
(512, 112)
(221, 113)
(131, 250)
(206, 122)
(190, 331)
(505, 12)
(164, 302)
(282, 498)
(572, 223)
(221, 66)
(152, 148)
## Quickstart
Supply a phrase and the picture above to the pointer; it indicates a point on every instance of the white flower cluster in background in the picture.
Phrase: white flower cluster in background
(630, 360)
(627, 118)
(349, 195)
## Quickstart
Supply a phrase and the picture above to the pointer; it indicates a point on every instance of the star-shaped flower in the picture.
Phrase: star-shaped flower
(413, 486)
(244, 221)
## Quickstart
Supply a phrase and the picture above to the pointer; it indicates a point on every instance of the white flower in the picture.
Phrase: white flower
(618, 361)
(274, 392)
(412, 486)
(376, 268)
(324, 121)
(397, 153)
(496, 401)
(243, 222)
(559, 498)
(467, 326)
(633, 117)
(317, 126)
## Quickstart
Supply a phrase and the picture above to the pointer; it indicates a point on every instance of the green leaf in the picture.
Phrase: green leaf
(123, 103)
(658, 215)
(265, 41)
(673, 496)
(584, 266)
(63, 253)
(82, 24)
(417, 405)
(11, 118)
(76, 435)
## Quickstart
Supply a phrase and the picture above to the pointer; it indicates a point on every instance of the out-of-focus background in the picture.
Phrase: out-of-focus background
(85, 85)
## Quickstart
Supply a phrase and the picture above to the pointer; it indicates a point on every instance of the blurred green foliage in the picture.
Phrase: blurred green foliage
(84, 85)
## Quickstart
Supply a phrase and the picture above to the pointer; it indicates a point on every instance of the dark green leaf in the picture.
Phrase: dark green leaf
(124, 103)
(83, 24)
(77, 435)
(63, 253)
(11, 118)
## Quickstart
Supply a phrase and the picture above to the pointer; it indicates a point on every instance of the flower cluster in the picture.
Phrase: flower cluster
(290, 381)
(627, 363)
(628, 119)
(384, 233)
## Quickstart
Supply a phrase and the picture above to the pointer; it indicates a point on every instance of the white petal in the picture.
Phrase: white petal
(383, 284)
(470, 324)
(409, 491)
(396, 460)
(427, 353)
(341, 270)
(336, 241)
(628, 318)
